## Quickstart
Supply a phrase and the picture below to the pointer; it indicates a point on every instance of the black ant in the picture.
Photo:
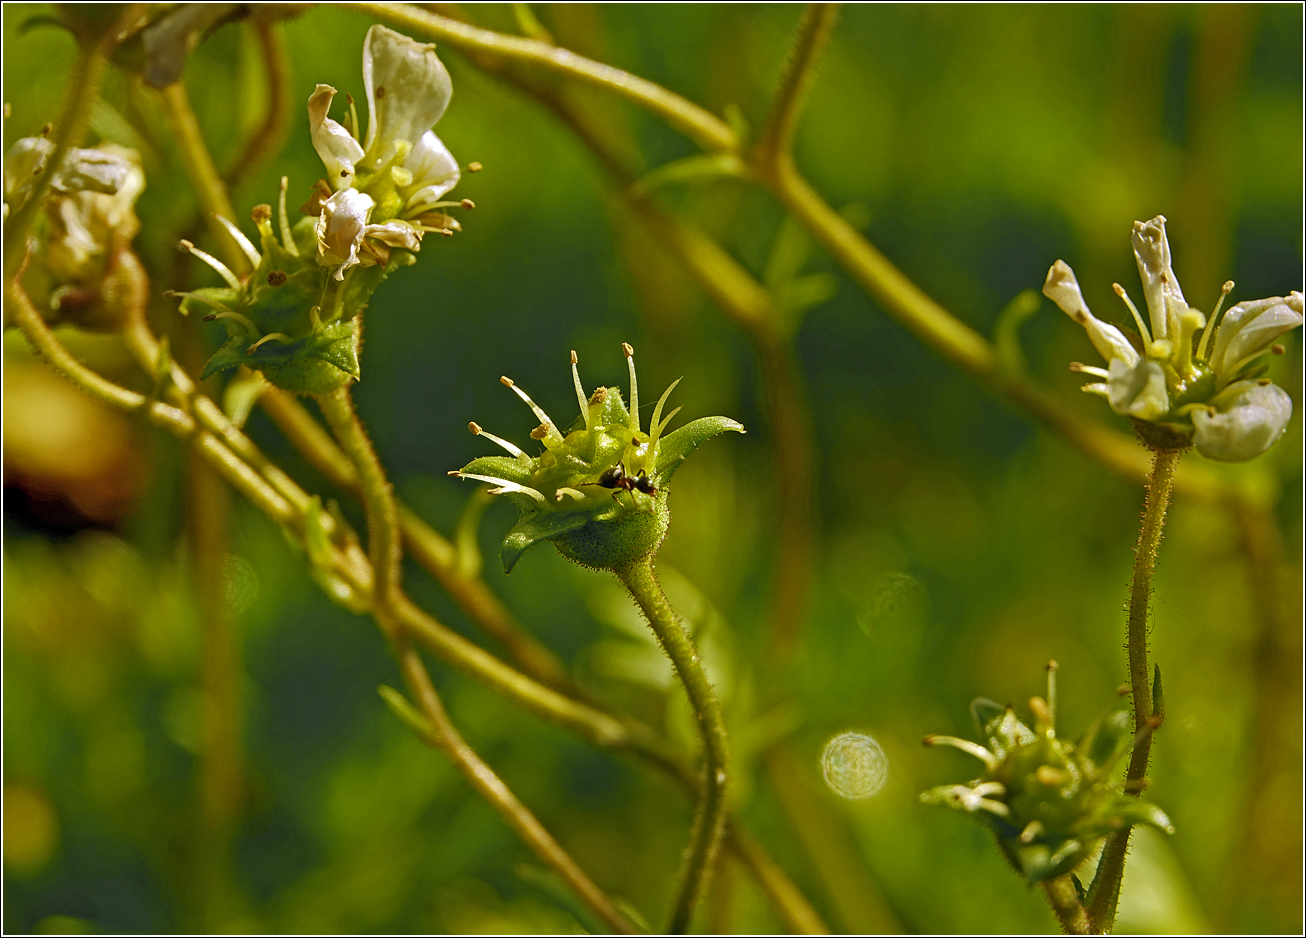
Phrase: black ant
(618, 478)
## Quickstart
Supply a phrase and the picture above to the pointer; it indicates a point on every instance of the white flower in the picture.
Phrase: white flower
(341, 228)
(1196, 375)
(400, 161)
(104, 169)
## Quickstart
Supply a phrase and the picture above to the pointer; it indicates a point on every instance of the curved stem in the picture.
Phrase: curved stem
(424, 544)
(1066, 904)
(701, 126)
(709, 822)
(440, 733)
(383, 548)
(203, 174)
(271, 131)
(384, 552)
(810, 41)
(1111, 867)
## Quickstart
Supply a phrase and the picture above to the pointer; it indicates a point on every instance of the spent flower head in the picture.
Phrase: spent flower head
(1048, 801)
(385, 188)
(80, 267)
(599, 489)
(1190, 378)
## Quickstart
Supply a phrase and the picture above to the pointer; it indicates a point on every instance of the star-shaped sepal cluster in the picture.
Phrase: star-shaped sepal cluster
(599, 490)
(289, 318)
(1048, 801)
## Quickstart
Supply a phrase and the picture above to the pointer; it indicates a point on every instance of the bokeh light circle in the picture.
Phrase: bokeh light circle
(854, 766)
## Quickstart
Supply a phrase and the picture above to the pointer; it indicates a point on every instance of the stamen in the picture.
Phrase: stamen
(353, 116)
(474, 167)
(503, 486)
(1032, 830)
(1049, 775)
(287, 241)
(223, 270)
(655, 425)
(1215, 316)
(666, 420)
(244, 321)
(565, 490)
(634, 387)
(279, 336)
(539, 411)
(1190, 320)
(515, 450)
(1138, 318)
(1042, 715)
(965, 745)
(246, 246)
(467, 204)
(1100, 389)
(993, 807)
(580, 391)
(1052, 692)
(197, 297)
(1081, 368)
(990, 788)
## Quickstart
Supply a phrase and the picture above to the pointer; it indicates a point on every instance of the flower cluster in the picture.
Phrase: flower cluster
(1189, 378)
(383, 192)
(1048, 801)
(295, 318)
(80, 268)
(599, 490)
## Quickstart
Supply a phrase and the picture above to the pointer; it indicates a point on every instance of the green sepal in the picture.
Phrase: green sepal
(231, 355)
(1105, 739)
(508, 468)
(984, 711)
(675, 446)
(541, 526)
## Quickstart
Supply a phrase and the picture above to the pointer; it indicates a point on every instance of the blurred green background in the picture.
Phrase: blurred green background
(959, 545)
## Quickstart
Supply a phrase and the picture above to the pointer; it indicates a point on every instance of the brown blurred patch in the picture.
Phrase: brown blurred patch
(73, 457)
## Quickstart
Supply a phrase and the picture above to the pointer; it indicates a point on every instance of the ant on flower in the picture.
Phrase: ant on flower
(618, 478)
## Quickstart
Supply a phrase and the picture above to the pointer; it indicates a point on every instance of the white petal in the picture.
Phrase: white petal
(1137, 391)
(434, 170)
(397, 234)
(1152, 251)
(1251, 423)
(1062, 288)
(340, 152)
(340, 229)
(1249, 328)
(92, 170)
(24, 162)
(407, 87)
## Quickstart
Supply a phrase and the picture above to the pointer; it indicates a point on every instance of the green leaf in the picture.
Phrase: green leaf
(675, 446)
(542, 526)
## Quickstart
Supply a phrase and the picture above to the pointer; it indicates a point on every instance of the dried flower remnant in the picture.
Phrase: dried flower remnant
(599, 490)
(1194, 379)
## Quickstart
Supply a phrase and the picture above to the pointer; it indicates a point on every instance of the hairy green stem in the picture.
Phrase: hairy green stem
(1111, 867)
(709, 821)
(1066, 904)
(383, 549)
(809, 42)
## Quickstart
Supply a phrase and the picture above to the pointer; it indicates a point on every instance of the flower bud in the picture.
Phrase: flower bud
(1243, 421)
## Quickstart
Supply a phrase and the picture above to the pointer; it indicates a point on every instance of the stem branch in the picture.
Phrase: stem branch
(1067, 906)
(709, 822)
